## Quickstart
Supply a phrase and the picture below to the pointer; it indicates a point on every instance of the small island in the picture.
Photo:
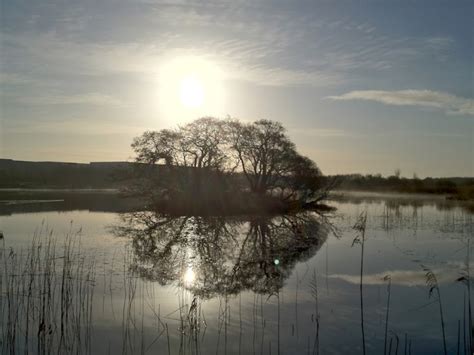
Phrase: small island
(211, 166)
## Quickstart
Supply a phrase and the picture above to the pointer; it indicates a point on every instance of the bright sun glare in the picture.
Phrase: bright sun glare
(190, 86)
(191, 92)
(188, 277)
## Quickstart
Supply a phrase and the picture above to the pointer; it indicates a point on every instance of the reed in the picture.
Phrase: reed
(465, 279)
(47, 293)
(313, 284)
(360, 227)
(432, 283)
(389, 279)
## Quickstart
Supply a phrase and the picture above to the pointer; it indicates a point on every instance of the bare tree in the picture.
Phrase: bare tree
(199, 144)
(269, 160)
(303, 180)
(154, 146)
(203, 144)
(262, 148)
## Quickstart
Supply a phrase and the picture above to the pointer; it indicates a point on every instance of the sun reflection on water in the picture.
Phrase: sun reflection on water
(189, 277)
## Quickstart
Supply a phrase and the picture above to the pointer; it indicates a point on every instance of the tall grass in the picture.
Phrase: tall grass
(46, 302)
(467, 323)
(432, 283)
(389, 279)
(313, 284)
(360, 227)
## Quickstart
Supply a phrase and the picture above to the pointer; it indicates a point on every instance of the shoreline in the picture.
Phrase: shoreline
(333, 193)
(61, 189)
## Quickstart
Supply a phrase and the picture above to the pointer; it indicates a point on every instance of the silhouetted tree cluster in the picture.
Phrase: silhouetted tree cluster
(269, 159)
(199, 144)
(211, 159)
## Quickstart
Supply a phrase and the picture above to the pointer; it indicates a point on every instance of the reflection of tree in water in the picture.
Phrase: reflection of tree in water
(215, 255)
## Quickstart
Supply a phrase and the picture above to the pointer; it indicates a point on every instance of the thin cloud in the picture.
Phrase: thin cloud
(87, 98)
(78, 124)
(450, 104)
(269, 50)
(320, 132)
(14, 79)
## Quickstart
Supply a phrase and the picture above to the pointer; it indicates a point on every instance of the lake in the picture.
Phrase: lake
(81, 273)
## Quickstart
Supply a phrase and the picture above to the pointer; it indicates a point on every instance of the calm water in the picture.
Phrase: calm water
(288, 284)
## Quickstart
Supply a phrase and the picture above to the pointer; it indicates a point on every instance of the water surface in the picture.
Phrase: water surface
(254, 284)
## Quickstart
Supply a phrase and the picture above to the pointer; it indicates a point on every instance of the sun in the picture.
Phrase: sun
(190, 87)
(191, 92)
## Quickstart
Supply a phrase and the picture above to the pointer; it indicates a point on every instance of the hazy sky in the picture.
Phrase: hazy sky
(362, 86)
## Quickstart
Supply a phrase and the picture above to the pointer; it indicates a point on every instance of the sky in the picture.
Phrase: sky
(362, 86)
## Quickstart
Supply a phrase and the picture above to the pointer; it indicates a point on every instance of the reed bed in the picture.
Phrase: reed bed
(46, 297)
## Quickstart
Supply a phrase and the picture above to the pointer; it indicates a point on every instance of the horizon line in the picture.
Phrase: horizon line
(132, 162)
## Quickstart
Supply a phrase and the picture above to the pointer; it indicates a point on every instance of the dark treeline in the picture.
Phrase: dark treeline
(109, 175)
(455, 187)
(28, 174)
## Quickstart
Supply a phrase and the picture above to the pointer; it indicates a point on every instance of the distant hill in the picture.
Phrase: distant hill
(28, 174)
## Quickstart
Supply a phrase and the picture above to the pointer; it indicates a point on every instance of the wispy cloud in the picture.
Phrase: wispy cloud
(451, 104)
(320, 132)
(14, 79)
(242, 59)
(94, 98)
(80, 125)
(262, 47)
